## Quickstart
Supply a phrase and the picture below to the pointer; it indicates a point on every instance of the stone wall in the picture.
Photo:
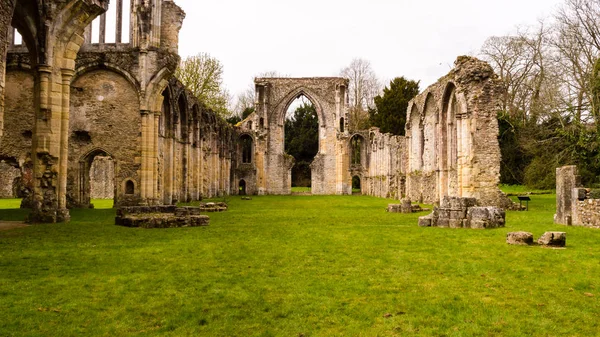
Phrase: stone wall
(383, 175)
(195, 148)
(102, 178)
(6, 14)
(271, 166)
(452, 137)
(587, 213)
(8, 177)
(574, 204)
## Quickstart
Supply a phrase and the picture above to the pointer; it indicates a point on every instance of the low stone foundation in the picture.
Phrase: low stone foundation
(455, 212)
(160, 217)
(212, 207)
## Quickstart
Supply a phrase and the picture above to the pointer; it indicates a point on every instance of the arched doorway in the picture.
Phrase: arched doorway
(242, 187)
(301, 139)
(328, 170)
(356, 185)
(96, 177)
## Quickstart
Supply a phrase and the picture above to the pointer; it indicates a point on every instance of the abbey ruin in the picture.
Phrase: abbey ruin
(71, 102)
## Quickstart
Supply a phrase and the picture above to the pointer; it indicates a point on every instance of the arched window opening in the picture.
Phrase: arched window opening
(242, 187)
(302, 138)
(17, 38)
(262, 123)
(196, 126)
(342, 124)
(183, 112)
(129, 187)
(246, 149)
(249, 125)
(165, 122)
(356, 147)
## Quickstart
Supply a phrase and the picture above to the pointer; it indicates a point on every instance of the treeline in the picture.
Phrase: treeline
(550, 113)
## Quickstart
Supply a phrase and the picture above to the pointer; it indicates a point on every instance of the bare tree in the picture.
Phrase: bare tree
(364, 86)
(577, 41)
(203, 75)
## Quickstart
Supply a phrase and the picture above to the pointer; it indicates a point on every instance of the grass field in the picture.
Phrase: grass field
(297, 266)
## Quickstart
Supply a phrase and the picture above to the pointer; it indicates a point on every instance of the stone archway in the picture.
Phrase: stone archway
(329, 170)
(86, 182)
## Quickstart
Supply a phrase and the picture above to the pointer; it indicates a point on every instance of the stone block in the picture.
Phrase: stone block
(519, 238)
(394, 208)
(553, 239)
(406, 206)
(425, 221)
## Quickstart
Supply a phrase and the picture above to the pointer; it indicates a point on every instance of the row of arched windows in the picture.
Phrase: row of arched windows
(433, 138)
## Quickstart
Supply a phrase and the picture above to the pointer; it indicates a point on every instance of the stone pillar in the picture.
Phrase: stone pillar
(146, 174)
(67, 76)
(566, 180)
(6, 13)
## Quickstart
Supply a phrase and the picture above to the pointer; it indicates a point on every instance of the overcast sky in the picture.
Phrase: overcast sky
(416, 39)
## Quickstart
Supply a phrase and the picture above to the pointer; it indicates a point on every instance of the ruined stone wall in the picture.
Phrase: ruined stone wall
(105, 121)
(102, 178)
(329, 169)
(8, 179)
(587, 213)
(6, 14)
(18, 117)
(386, 159)
(453, 143)
(574, 204)
(194, 156)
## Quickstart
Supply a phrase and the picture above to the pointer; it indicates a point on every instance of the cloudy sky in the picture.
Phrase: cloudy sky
(419, 39)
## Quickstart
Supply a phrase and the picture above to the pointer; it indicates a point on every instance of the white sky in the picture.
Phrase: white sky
(416, 39)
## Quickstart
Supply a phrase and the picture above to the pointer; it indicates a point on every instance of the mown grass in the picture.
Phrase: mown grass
(298, 266)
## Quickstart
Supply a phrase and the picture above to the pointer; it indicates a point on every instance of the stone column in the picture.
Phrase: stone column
(566, 181)
(67, 76)
(146, 174)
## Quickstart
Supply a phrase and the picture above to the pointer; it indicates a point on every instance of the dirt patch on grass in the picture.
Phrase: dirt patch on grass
(6, 225)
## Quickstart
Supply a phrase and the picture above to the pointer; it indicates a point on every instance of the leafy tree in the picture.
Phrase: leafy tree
(203, 76)
(302, 142)
(390, 113)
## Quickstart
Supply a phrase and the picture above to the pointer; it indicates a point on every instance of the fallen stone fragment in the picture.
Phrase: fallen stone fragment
(519, 238)
(553, 239)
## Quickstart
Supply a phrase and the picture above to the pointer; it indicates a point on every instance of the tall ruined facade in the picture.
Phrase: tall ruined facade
(450, 148)
(78, 91)
(452, 137)
(77, 97)
(268, 170)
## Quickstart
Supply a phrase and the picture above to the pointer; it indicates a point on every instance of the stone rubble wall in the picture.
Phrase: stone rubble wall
(8, 177)
(587, 213)
(386, 157)
(102, 180)
(574, 205)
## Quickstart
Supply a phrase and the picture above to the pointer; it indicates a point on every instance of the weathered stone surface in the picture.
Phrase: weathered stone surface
(9, 176)
(394, 208)
(575, 205)
(486, 217)
(427, 221)
(567, 179)
(160, 217)
(553, 239)
(457, 212)
(444, 136)
(519, 238)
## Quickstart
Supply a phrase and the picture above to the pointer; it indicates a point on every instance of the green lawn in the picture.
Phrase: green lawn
(297, 266)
